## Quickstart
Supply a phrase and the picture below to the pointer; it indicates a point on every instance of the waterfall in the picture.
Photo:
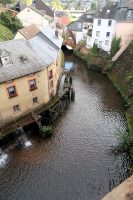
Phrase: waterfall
(3, 158)
(22, 139)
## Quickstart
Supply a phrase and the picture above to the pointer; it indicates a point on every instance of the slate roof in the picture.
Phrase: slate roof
(29, 31)
(74, 26)
(108, 11)
(40, 5)
(49, 33)
(39, 52)
(127, 3)
(87, 17)
(119, 11)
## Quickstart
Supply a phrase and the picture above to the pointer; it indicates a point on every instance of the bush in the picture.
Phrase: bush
(115, 46)
(10, 21)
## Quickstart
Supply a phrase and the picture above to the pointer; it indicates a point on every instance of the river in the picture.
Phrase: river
(77, 162)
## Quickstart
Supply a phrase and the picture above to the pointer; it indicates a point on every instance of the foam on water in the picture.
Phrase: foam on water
(3, 159)
(28, 143)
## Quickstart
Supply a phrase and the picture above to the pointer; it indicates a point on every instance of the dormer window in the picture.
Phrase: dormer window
(5, 58)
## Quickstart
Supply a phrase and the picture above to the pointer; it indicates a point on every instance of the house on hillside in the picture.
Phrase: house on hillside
(28, 75)
(82, 27)
(49, 13)
(30, 15)
(112, 20)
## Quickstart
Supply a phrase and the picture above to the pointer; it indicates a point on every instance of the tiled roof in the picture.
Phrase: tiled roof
(29, 31)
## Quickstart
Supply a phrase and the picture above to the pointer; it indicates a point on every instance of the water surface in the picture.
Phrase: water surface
(76, 163)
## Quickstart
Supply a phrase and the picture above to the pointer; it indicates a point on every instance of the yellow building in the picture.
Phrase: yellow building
(29, 74)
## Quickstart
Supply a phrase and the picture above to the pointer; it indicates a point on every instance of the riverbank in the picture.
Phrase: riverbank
(123, 192)
(120, 73)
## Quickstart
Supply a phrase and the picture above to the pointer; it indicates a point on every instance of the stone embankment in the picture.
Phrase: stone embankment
(123, 192)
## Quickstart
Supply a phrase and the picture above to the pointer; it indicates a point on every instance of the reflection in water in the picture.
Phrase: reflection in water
(3, 158)
(76, 163)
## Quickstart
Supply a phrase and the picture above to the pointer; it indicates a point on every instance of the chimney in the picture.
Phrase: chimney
(56, 33)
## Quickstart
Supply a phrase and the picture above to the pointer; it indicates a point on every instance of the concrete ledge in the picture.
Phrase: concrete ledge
(123, 192)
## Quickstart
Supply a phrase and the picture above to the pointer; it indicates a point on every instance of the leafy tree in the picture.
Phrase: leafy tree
(95, 48)
(93, 5)
(10, 21)
(57, 5)
(115, 46)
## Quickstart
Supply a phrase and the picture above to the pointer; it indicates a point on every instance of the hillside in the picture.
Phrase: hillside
(5, 33)
(121, 75)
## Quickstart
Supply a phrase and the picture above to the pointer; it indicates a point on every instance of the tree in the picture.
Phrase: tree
(93, 5)
(115, 46)
(10, 21)
(57, 5)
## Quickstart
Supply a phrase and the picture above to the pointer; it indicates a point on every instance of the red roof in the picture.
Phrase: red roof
(64, 20)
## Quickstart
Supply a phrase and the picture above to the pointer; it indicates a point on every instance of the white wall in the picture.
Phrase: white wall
(29, 16)
(103, 29)
(79, 37)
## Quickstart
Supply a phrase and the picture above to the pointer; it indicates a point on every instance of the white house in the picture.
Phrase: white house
(104, 26)
(103, 33)
(115, 19)
(30, 16)
(82, 27)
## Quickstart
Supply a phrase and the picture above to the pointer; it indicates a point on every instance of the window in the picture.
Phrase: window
(12, 91)
(109, 22)
(88, 16)
(100, 43)
(99, 22)
(106, 42)
(51, 84)
(97, 33)
(79, 25)
(35, 100)
(96, 41)
(107, 34)
(50, 74)
(16, 108)
(32, 84)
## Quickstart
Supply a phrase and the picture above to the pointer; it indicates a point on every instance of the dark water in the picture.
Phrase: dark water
(76, 163)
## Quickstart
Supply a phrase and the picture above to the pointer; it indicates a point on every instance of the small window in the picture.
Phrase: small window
(109, 22)
(32, 84)
(50, 74)
(99, 22)
(51, 84)
(106, 42)
(100, 43)
(97, 33)
(35, 100)
(107, 34)
(96, 41)
(12, 91)
(79, 25)
(16, 108)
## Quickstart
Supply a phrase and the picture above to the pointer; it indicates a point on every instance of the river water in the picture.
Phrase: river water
(76, 163)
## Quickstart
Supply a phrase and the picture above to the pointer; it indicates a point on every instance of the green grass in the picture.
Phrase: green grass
(5, 33)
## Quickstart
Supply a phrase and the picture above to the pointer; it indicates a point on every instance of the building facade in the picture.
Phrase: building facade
(29, 74)
(113, 20)
(30, 16)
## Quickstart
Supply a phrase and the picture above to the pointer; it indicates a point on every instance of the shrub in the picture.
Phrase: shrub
(10, 21)
(115, 46)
